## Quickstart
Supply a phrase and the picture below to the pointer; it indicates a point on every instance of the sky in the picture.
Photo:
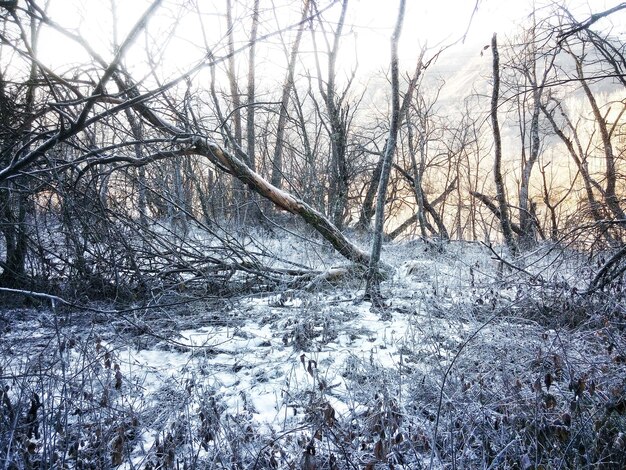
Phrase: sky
(370, 22)
(432, 23)
(435, 23)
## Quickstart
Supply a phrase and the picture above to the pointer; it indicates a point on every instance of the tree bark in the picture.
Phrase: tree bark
(13, 222)
(338, 129)
(526, 220)
(367, 209)
(277, 160)
(283, 200)
(251, 94)
(529, 70)
(372, 289)
(505, 220)
(238, 191)
(255, 209)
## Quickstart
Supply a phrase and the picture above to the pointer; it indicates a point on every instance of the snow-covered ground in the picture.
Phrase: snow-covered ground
(455, 370)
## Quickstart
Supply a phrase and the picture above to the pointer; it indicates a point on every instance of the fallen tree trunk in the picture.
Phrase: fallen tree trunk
(283, 200)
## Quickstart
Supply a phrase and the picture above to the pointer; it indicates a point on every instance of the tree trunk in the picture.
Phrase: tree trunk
(313, 193)
(238, 190)
(419, 169)
(338, 127)
(13, 193)
(527, 222)
(372, 289)
(251, 95)
(505, 221)
(529, 67)
(367, 209)
(277, 160)
(283, 200)
(13, 227)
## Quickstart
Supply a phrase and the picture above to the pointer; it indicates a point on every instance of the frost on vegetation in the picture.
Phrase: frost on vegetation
(476, 364)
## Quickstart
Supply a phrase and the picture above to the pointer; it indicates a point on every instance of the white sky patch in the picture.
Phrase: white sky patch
(174, 38)
(369, 23)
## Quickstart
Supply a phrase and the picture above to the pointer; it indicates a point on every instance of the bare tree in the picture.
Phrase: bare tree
(338, 112)
(610, 197)
(422, 130)
(367, 207)
(102, 153)
(533, 67)
(503, 208)
(251, 94)
(372, 290)
(577, 152)
(288, 84)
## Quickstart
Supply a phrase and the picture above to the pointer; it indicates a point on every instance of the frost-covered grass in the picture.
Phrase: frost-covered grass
(473, 365)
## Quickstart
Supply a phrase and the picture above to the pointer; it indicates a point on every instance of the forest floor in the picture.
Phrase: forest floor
(471, 365)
